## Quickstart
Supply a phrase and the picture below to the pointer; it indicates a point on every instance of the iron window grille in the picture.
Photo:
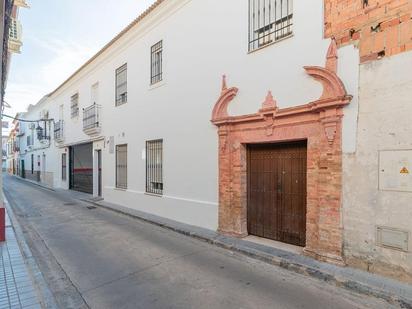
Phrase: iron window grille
(121, 85)
(154, 167)
(121, 166)
(269, 21)
(74, 105)
(156, 71)
(91, 117)
(16, 146)
(13, 30)
(58, 130)
(64, 166)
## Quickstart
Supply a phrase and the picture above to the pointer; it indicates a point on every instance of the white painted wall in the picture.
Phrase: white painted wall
(201, 41)
(384, 124)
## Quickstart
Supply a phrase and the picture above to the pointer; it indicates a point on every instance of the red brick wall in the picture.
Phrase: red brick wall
(319, 123)
(380, 27)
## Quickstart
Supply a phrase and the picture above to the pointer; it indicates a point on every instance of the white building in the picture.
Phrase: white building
(177, 109)
(133, 125)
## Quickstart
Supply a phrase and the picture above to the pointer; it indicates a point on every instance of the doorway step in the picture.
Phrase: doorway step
(274, 244)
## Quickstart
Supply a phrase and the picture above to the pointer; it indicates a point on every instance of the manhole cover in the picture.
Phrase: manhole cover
(91, 207)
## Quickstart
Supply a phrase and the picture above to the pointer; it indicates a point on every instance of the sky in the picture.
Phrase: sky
(58, 37)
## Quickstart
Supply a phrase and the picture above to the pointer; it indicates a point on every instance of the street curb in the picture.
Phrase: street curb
(33, 182)
(394, 292)
(46, 297)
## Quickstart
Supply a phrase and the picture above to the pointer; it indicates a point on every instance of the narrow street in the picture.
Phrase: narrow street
(96, 258)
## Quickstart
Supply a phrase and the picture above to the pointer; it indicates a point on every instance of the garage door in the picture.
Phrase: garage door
(81, 168)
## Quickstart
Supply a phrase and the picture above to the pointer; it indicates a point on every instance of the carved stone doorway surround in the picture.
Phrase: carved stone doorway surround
(320, 124)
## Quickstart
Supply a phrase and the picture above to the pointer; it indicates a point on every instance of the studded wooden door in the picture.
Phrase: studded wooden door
(277, 192)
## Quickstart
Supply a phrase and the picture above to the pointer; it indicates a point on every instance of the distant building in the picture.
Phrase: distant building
(5, 131)
(10, 34)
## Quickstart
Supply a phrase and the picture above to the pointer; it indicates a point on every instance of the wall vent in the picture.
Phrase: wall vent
(392, 238)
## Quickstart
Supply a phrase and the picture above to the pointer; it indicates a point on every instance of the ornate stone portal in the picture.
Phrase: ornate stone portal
(319, 123)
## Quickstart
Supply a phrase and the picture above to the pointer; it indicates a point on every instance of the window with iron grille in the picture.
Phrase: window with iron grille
(13, 30)
(269, 21)
(58, 130)
(91, 117)
(154, 167)
(121, 85)
(121, 166)
(64, 166)
(156, 63)
(28, 140)
(74, 105)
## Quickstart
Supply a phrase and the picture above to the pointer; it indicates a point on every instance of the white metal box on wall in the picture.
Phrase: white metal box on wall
(395, 170)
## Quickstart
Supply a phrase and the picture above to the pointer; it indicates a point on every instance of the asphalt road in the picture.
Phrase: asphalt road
(96, 258)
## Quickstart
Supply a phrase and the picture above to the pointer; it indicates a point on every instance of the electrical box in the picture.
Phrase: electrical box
(395, 170)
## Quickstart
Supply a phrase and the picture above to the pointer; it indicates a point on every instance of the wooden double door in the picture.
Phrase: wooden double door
(277, 192)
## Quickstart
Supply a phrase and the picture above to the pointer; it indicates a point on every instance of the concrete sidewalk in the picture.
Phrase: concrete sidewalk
(21, 283)
(394, 292)
(16, 286)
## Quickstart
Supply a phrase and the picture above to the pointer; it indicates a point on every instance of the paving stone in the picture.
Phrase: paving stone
(16, 285)
(34, 306)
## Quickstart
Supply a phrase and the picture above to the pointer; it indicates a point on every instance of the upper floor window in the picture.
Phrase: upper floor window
(94, 93)
(13, 30)
(156, 71)
(121, 85)
(269, 21)
(74, 105)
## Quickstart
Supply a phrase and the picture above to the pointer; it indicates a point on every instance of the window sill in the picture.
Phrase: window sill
(157, 85)
(153, 194)
(121, 104)
(120, 189)
(271, 44)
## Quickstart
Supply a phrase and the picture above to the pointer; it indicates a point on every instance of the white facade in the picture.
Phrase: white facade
(196, 52)
(377, 177)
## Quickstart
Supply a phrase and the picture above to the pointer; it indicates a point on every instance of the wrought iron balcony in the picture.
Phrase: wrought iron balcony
(59, 131)
(91, 123)
(15, 31)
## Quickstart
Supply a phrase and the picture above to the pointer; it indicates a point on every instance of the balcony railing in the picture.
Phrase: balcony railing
(15, 31)
(91, 123)
(58, 131)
